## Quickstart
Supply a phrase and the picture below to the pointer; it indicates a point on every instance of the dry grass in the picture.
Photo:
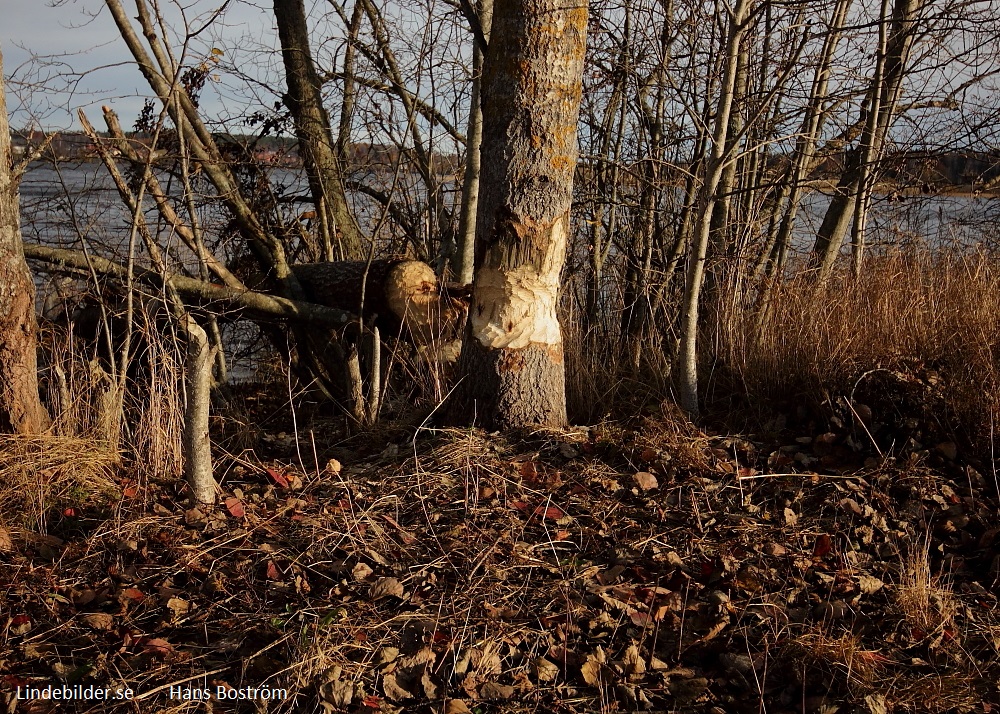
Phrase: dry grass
(926, 600)
(941, 693)
(160, 405)
(843, 656)
(143, 418)
(931, 321)
(44, 471)
(610, 374)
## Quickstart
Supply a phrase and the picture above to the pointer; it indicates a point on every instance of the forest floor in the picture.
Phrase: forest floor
(640, 566)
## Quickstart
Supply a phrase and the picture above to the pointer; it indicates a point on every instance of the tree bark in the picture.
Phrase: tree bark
(695, 275)
(463, 261)
(197, 440)
(511, 370)
(312, 127)
(885, 89)
(259, 305)
(21, 410)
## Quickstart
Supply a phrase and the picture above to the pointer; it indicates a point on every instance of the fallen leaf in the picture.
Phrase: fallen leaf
(386, 587)
(178, 607)
(639, 618)
(456, 706)
(133, 594)
(849, 504)
(645, 480)
(634, 662)
(337, 692)
(273, 573)
(276, 476)
(492, 690)
(394, 690)
(361, 571)
(6, 544)
(545, 670)
(824, 544)
(775, 549)
(429, 686)
(20, 624)
(157, 645)
(551, 512)
(528, 469)
(194, 517)
(876, 704)
(592, 670)
(98, 620)
(235, 507)
(869, 584)
(713, 631)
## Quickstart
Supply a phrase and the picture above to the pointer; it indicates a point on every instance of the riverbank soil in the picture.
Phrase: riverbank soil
(624, 566)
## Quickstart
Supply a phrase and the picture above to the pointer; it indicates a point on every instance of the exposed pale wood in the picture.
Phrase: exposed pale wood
(511, 370)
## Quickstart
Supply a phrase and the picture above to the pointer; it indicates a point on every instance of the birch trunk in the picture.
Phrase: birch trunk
(695, 274)
(463, 262)
(884, 93)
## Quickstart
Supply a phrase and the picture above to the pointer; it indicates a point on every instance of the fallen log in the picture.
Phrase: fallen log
(401, 296)
(198, 291)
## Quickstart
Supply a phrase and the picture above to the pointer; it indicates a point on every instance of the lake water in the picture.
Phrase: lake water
(66, 205)
(60, 204)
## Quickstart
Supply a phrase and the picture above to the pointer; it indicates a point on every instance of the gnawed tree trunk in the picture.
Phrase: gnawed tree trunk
(401, 296)
(21, 410)
(318, 367)
(511, 370)
(312, 127)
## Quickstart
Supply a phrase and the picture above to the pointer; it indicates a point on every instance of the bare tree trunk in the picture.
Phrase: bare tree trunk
(463, 261)
(197, 439)
(21, 410)
(197, 443)
(805, 145)
(511, 369)
(312, 126)
(695, 275)
(869, 150)
(883, 100)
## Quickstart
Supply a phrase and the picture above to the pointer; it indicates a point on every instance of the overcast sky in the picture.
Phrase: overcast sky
(61, 55)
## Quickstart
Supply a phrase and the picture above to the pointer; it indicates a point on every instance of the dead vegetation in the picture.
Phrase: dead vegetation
(620, 567)
(839, 554)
